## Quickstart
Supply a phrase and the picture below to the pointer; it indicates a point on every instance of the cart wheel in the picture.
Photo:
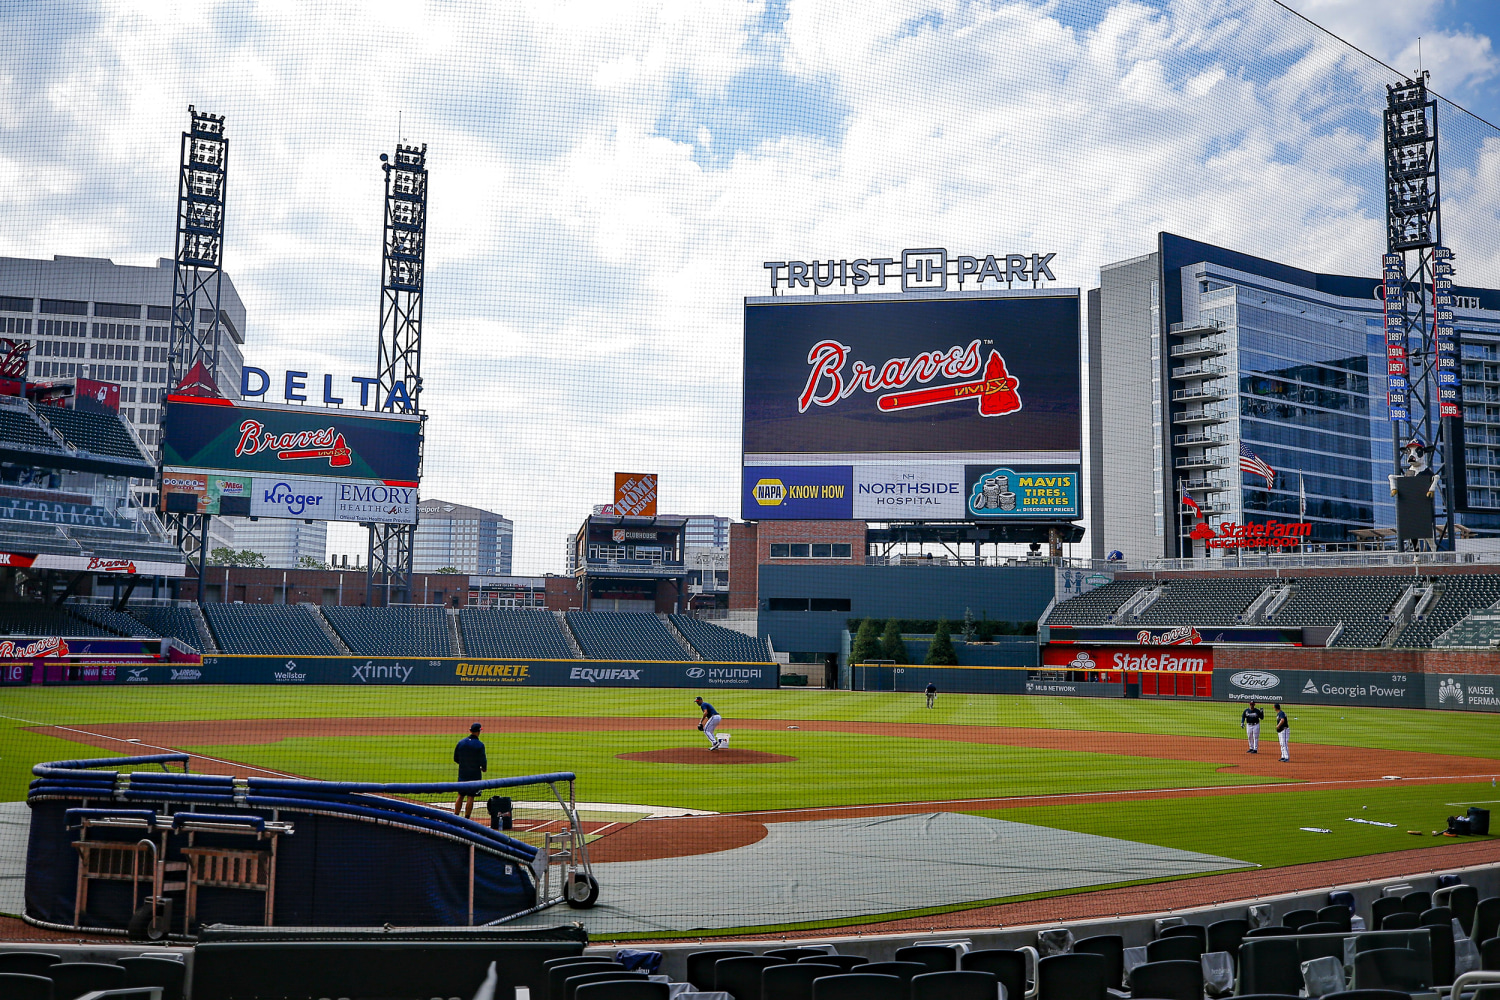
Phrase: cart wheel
(584, 891)
(142, 927)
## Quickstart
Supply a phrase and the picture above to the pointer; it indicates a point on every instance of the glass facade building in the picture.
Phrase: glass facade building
(1227, 355)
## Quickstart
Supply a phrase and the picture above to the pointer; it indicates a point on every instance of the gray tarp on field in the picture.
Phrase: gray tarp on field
(841, 868)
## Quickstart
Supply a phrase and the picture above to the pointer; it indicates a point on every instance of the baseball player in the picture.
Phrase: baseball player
(470, 757)
(1250, 723)
(931, 693)
(1284, 734)
(709, 723)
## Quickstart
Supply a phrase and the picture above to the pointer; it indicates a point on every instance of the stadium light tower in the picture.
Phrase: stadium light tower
(1422, 354)
(197, 286)
(400, 352)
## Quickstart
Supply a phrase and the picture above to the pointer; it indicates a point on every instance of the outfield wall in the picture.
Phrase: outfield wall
(396, 671)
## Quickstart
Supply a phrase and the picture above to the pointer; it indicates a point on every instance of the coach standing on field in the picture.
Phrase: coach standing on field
(1250, 723)
(1283, 734)
(472, 763)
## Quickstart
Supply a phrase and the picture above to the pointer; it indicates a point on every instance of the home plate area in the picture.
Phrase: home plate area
(838, 869)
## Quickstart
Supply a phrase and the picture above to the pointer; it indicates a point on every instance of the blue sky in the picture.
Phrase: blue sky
(608, 178)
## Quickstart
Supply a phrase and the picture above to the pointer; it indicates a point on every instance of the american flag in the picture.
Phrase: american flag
(1250, 462)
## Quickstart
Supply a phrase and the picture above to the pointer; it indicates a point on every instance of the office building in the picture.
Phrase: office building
(465, 539)
(283, 542)
(1201, 355)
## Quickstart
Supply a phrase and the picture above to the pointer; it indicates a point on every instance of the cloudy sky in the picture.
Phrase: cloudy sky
(607, 178)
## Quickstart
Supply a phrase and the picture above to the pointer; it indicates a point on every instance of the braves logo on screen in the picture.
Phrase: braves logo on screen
(995, 389)
(326, 443)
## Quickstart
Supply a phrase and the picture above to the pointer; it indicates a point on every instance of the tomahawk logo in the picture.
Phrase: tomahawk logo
(1450, 690)
(1309, 687)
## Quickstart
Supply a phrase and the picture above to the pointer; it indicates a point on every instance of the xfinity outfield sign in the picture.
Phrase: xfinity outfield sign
(918, 270)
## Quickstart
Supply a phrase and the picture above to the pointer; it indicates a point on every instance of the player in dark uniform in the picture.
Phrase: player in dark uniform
(1250, 723)
(709, 723)
(1283, 734)
(931, 693)
(472, 763)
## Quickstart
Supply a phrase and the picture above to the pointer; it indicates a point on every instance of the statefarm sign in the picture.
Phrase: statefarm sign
(1198, 660)
(1271, 534)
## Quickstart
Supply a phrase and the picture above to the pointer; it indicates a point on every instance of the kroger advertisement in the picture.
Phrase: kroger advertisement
(291, 497)
(203, 433)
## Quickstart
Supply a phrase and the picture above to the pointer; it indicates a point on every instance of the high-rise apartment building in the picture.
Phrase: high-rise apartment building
(466, 539)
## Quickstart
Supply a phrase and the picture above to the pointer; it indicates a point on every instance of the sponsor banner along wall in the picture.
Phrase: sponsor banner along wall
(1174, 659)
(1175, 635)
(1463, 692)
(1326, 687)
(405, 671)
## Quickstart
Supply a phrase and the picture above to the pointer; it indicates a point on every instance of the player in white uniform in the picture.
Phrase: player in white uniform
(1250, 722)
(1283, 734)
(709, 723)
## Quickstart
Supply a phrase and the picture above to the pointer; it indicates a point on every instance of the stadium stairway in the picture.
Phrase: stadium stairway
(328, 628)
(567, 631)
(682, 640)
(456, 633)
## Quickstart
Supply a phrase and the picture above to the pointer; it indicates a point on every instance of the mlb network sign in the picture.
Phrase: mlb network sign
(926, 270)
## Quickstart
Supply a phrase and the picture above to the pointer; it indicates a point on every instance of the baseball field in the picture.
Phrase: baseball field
(1017, 799)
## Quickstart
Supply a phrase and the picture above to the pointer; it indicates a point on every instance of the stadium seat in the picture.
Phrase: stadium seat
(181, 623)
(1439, 915)
(268, 630)
(1309, 948)
(27, 963)
(700, 966)
(950, 985)
(1416, 902)
(395, 631)
(531, 633)
(553, 963)
(1097, 607)
(1112, 947)
(1187, 930)
(558, 974)
(571, 983)
(1489, 955)
(1072, 977)
(740, 976)
(796, 954)
(1226, 935)
(1276, 930)
(793, 981)
(1322, 927)
(721, 644)
(624, 989)
(1008, 966)
(904, 971)
(1174, 949)
(1336, 913)
(1382, 907)
(1270, 965)
(1403, 920)
(1391, 969)
(167, 973)
(1296, 918)
(99, 432)
(1486, 919)
(1443, 952)
(845, 962)
(1366, 995)
(1170, 980)
(859, 986)
(73, 979)
(1462, 900)
(623, 635)
(936, 957)
(20, 986)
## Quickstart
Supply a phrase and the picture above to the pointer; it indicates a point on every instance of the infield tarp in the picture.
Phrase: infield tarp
(840, 869)
(390, 670)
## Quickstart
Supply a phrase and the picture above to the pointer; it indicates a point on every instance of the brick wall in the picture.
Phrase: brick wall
(1400, 661)
(563, 594)
(313, 586)
(744, 566)
(852, 532)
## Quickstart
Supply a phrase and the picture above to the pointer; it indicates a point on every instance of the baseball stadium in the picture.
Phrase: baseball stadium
(1088, 611)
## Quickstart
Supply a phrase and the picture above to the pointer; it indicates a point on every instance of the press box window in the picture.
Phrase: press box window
(837, 550)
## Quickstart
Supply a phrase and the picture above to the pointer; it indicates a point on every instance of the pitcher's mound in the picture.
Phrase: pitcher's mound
(703, 755)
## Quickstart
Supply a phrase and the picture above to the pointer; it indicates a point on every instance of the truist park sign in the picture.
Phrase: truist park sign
(915, 271)
(932, 408)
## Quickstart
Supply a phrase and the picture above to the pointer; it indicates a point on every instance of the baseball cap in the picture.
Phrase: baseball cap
(475, 728)
(699, 698)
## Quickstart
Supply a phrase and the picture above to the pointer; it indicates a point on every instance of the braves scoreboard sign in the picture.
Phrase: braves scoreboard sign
(925, 408)
(267, 460)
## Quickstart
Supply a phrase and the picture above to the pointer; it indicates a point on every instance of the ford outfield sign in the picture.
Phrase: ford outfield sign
(1254, 680)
